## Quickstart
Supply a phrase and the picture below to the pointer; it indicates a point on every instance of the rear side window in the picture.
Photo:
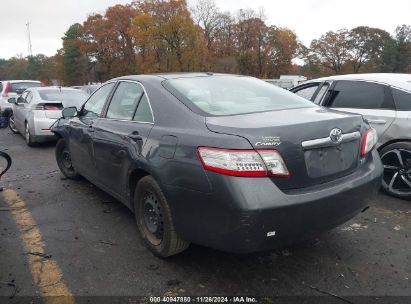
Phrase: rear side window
(402, 99)
(94, 105)
(125, 100)
(143, 112)
(360, 95)
(20, 87)
(231, 95)
(307, 92)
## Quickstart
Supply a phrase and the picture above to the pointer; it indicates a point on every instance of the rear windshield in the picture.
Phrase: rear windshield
(68, 98)
(231, 95)
(20, 87)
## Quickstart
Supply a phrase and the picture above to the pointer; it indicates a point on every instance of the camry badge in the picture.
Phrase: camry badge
(336, 135)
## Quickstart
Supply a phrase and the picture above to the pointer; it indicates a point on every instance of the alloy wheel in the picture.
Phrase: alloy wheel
(27, 133)
(397, 171)
(12, 124)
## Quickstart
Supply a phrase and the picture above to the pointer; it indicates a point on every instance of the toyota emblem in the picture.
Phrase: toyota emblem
(336, 135)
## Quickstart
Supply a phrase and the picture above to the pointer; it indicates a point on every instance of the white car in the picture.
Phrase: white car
(13, 88)
(37, 109)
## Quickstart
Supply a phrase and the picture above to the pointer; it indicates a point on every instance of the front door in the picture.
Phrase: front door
(121, 135)
(81, 132)
(372, 100)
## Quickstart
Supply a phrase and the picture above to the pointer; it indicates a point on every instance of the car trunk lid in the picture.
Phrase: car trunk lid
(302, 136)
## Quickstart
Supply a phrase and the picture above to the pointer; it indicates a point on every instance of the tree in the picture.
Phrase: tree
(367, 44)
(208, 17)
(165, 31)
(74, 63)
(332, 49)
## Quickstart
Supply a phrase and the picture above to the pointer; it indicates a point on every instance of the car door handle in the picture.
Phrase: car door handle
(134, 136)
(90, 129)
(377, 121)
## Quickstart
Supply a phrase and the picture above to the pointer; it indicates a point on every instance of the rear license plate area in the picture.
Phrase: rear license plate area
(326, 161)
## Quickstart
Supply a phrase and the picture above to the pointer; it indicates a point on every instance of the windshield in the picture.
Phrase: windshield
(231, 95)
(69, 98)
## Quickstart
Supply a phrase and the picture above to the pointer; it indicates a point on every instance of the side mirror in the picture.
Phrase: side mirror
(69, 112)
(12, 100)
(19, 100)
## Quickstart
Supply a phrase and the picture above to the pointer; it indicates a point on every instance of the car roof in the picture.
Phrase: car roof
(172, 75)
(21, 81)
(399, 80)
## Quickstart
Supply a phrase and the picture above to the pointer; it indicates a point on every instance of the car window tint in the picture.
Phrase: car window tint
(307, 92)
(125, 100)
(321, 93)
(1, 87)
(143, 113)
(95, 103)
(357, 94)
(402, 100)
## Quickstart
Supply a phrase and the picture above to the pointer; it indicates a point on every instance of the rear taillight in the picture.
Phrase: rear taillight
(42, 84)
(249, 163)
(369, 141)
(52, 108)
(7, 89)
(41, 106)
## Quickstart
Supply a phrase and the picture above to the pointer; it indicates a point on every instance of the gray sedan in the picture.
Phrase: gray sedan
(224, 161)
(37, 109)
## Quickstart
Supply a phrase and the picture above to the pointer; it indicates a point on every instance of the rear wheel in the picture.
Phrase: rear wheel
(28, 136)
(154, 220)
(63, 158)
(396, 159)
(12, 124)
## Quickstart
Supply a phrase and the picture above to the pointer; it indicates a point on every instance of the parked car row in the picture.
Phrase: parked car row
(37, 109)
(384, 100)
(225, 161)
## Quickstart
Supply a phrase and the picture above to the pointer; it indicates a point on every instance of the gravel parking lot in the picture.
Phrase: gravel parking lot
(92, 239)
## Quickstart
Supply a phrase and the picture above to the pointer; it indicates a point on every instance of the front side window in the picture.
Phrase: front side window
(307, 92)
(231, 95)
(359, 95)
(321, 93)
(125, 100)
(402, 99)
(95, 103)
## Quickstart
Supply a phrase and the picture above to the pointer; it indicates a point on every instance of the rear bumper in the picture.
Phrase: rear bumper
(41, 129)
(251, 214)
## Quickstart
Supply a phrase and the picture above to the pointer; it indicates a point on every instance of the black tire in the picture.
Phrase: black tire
(161, 239)
(396, 159)
(12, 126)
(27, 135)
(64, 160)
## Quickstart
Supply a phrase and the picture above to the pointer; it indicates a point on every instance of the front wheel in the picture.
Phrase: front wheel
(12, 124)
(396, 159)
(154, 220)
(63, 158)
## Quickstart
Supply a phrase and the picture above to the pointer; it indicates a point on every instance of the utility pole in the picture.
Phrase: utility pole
(29, 39)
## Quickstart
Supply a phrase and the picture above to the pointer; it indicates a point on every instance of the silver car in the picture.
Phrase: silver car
(384, 100)
(36, 110)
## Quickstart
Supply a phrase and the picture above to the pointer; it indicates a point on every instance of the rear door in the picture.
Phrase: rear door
(121, 135)
(81, 132)
(372, 100)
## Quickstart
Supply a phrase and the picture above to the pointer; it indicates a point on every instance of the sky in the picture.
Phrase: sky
(310, 19)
